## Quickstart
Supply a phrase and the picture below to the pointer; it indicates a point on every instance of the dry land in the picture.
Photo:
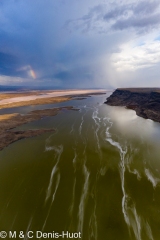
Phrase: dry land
(11, 100)
(38, 101)
(145, 101)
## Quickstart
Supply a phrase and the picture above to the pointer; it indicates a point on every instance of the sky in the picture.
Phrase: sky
(80, 44)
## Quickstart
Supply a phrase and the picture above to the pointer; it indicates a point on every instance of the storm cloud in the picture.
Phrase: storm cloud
(75, 44)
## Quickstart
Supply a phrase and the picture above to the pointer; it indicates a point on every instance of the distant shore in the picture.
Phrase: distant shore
(145, 101)
(10, 100)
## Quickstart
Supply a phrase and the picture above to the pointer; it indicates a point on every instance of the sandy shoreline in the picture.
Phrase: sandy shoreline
(9, 100)
(16, 97)
(39, 101)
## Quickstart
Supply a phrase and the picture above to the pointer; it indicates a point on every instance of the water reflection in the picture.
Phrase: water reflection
(128, 123)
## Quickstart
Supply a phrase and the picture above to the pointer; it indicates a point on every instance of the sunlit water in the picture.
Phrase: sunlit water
(98, 174)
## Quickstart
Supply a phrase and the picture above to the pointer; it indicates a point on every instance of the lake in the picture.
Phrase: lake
(98, 175)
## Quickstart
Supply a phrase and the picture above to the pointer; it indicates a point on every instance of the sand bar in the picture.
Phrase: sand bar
(42, 97)
(46, 95)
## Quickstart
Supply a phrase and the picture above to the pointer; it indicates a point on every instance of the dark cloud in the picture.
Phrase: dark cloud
(9, 65)
(29, 33)
(143, 22)
(140, 9)
(146, 7)
(87, 22)
(116, 12)
(118, 16)
(141, 15)
(59, 42)
(65, 75)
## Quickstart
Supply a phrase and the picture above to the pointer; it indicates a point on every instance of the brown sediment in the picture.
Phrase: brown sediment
(5, 95)
(10, 100)
(11, 121)
(9, 137)
(7, 116)
(38, 101)
(20, 94)
(145, 101)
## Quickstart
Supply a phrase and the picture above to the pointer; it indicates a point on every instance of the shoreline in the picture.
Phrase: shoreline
(39, 101)
(42, 97)
(144, 101)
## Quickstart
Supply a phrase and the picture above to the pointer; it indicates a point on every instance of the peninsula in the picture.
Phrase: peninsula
(8, 122)
(145, 101)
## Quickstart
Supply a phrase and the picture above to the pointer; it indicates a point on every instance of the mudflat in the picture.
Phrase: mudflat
(10, 121)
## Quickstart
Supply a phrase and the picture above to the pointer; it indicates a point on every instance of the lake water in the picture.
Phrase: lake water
(98, 174)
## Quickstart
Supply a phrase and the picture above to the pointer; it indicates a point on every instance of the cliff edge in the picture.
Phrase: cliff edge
(145, 101)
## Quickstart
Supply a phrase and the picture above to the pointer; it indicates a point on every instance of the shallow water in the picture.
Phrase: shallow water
(98, 174)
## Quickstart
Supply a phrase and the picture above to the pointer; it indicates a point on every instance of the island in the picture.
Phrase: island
(145, 101)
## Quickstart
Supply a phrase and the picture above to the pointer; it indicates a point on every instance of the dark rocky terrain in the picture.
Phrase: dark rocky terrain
(145, 101)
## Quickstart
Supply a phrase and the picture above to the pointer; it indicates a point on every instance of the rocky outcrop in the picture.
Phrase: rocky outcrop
(145, 101)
